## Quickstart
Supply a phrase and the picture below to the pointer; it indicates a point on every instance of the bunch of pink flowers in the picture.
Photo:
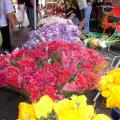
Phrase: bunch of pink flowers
(51, 68)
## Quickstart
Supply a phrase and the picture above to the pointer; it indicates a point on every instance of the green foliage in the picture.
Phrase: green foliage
(69, 94)
(40, 63)
(100, 42)
(55, 57)
(51, 116)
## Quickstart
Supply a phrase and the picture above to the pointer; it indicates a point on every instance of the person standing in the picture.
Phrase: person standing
(73, 11)
(30, 11)
(82, 6)
(6, 14)
(88, 11)
(85, 7)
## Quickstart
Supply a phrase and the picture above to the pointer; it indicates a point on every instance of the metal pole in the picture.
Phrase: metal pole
(35, 16)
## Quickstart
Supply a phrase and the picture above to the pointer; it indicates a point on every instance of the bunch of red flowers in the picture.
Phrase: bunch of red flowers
(51, 68)
(55, 10)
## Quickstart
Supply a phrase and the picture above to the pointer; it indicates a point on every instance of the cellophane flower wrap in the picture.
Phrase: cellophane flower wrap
(53, 19)
(52, 68)
(109, 86)
(75, 108)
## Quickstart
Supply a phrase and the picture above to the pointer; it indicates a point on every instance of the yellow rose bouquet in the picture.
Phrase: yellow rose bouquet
(109, 86)
(75, 108)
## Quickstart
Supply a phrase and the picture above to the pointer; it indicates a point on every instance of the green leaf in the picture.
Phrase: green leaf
(71, 79)
(69, 94)
(54, 58)
(40, 63)
(51, 116)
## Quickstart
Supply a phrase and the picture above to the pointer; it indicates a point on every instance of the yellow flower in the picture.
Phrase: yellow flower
(101, 117)
(74, 109)
(114, 99)
(86, 111)
(68, 115)
(106, 93)
(78, 100)
(64, 104)
(90, 111)
(110, 79)
(73, 115)
(43, 107)
(26, 111)
(109, 86)
(102, 84)
(114, 70)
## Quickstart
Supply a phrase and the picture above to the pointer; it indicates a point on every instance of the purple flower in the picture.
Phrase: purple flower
(53, 32)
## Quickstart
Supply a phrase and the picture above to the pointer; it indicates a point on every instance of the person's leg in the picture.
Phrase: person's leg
(22, 9)
(75, 21)
(31, 17)
(82, 20)
(82, 12)
(6, 44)
(87, 21)
(28, 15)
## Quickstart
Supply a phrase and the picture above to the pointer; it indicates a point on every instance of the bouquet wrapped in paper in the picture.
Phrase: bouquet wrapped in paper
(53, 19)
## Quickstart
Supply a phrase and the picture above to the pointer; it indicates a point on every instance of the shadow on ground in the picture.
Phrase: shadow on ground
(9, 102)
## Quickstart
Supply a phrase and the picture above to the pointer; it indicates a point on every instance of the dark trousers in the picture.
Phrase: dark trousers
(30, 14)
(82, 12)
(6, 44)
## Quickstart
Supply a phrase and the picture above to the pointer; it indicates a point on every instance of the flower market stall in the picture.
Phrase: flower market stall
(52, 68)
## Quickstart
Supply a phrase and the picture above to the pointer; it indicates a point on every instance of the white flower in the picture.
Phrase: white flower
(103, 44)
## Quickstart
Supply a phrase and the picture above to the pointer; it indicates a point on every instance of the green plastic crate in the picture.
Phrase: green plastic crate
(117, 34)
(94, 34)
